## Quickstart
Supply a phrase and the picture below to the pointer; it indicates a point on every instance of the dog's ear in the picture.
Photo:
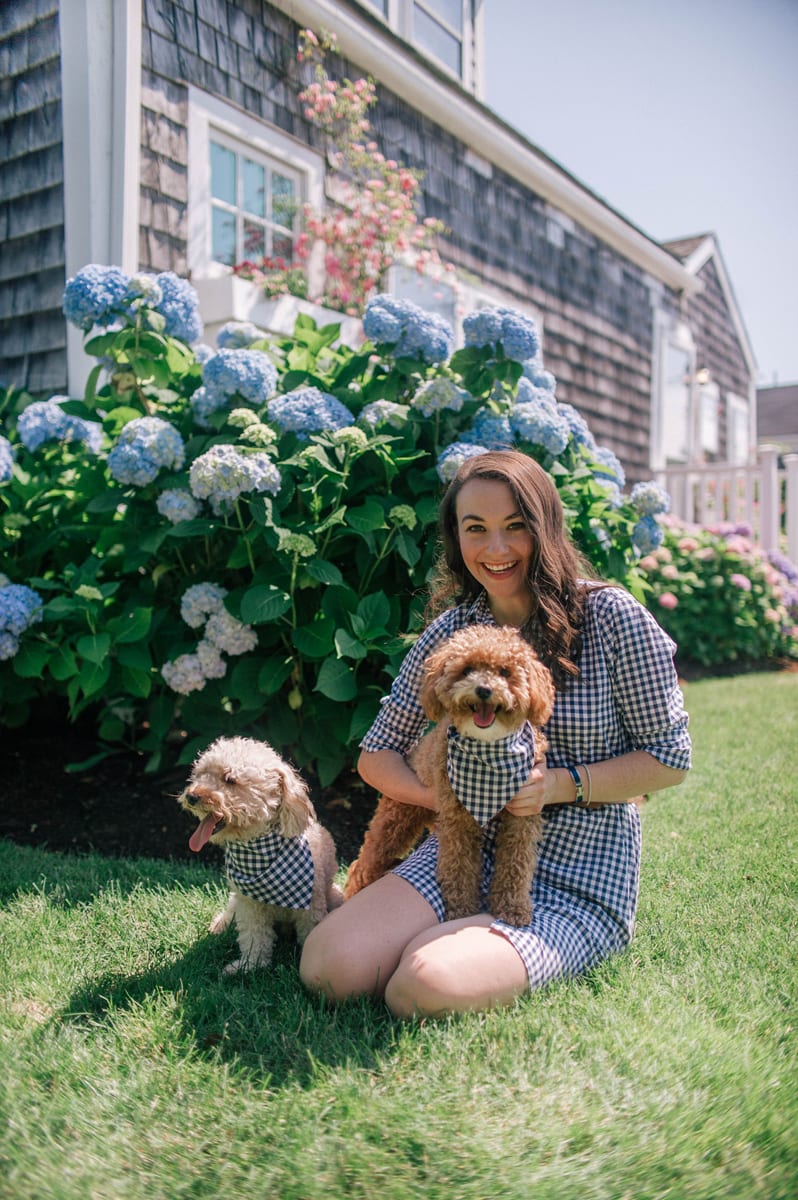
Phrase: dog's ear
(428, 695)
(541, 689)
(296, 810)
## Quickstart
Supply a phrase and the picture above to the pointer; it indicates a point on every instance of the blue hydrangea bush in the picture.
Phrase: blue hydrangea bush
(239, 538)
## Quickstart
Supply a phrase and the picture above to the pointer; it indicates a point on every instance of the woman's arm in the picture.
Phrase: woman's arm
(387, 771)
(614, 781)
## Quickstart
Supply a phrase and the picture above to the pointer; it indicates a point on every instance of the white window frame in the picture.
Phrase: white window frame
(738, 416)
(400, 19)
(208, 114)
(670, 334)
(707, 416)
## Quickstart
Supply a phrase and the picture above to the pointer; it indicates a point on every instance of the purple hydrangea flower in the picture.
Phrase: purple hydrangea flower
(506, 327)
(413, 332)
(145, 445)
(308, 410)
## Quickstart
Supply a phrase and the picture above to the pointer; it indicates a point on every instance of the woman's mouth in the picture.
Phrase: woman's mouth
(500, 568)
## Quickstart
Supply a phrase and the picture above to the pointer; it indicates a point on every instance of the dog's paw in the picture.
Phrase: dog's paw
(512, 914)
(220, 922)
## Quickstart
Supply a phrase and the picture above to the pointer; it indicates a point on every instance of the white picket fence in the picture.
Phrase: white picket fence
(759, 494)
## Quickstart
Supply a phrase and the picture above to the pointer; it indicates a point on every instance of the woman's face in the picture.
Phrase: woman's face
(496, 545)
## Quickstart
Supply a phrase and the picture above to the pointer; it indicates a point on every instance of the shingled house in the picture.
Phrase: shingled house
(119, 119)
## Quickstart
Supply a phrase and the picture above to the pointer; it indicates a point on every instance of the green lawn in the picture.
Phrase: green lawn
(131, 1069)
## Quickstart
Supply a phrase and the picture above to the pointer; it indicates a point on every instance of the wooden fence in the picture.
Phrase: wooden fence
(760, 495)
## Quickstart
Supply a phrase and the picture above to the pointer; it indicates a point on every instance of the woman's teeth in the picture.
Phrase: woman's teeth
(497, 568)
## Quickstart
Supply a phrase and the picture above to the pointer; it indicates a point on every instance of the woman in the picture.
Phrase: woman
(618, 730)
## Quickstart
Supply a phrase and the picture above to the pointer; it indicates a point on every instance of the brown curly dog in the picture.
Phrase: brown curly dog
(487, 682)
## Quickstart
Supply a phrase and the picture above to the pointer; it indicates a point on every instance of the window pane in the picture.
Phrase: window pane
(253, 188)
(284, 202)
(223, 237)
(282, 246)
(254, 240)
(434, 38)
(380, 5)
(450, 11)
(676, 405)
(223, 173)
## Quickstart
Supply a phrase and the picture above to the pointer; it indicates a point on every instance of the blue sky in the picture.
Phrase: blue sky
(683, 116)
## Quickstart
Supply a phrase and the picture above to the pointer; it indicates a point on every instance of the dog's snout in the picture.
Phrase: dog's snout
(483, 692)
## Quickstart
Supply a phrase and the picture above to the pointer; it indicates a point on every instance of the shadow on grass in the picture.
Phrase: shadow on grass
(263, 1024)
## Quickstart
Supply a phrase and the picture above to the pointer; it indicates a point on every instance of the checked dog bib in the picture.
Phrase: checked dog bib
(273, 869)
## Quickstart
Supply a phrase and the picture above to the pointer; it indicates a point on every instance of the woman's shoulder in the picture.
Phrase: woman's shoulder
(449, 621)
(615, 611)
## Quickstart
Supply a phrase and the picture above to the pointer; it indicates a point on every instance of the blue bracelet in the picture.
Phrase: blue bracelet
(580, 800)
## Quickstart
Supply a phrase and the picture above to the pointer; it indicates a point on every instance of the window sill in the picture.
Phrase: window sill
(228, 298)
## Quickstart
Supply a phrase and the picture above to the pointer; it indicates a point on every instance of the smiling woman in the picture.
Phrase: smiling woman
(618, 729)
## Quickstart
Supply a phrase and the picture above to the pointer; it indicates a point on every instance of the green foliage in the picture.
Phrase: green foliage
(327, 573)
(720, 598)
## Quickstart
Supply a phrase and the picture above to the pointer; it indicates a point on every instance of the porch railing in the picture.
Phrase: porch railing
(759, 494)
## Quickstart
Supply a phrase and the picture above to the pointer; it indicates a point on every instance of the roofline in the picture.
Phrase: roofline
(707, 249)
(394, 63)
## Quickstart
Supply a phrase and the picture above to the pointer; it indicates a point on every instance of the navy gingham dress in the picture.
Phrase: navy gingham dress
(627, 697)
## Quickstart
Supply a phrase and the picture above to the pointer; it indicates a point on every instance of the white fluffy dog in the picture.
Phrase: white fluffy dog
(280, 861)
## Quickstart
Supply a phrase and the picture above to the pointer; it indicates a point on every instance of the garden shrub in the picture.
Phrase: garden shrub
(239, 539)
(720, 597)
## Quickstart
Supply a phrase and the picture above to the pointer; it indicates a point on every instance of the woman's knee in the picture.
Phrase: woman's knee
(327, 967)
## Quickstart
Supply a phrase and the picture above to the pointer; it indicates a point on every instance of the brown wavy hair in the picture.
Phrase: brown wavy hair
(555, 570)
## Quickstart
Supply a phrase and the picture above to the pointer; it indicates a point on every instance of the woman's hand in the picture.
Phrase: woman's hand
(536, 793)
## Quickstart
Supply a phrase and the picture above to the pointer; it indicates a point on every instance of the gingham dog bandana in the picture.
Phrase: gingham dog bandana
(273, 869)
(486, 775)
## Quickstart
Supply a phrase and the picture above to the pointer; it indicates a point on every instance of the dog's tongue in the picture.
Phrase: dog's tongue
(484, 716)
(202, 834)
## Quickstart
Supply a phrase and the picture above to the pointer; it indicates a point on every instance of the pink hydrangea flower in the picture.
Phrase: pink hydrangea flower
(668, 600)
(741, 581)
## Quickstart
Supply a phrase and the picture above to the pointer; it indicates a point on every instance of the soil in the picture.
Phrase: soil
(117, 809)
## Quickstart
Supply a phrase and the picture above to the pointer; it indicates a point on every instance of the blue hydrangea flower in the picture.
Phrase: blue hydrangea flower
(203, 352)
(533, 393)
(538, 376)
(384, 412)
(177, 505)
(649, 498)
(200, 601)
(184, 675)
(6, 459)
(222, 474)
(144, 289)
(238, 335)
(647, 535)
(204, 402)
(308, 410)
(95, 296)
(505, 327)
(145, 445)
(250, 374)
(578, 426)
(210, 660)
(541, 425)
(45, 420)
(453, 457)
(490, 429)
(20, 607)
(608, 466)
(413, 332)
(228, 634)
(180, 306)
(438, 395)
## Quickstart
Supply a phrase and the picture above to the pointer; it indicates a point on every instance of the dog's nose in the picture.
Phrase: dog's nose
(483, 692)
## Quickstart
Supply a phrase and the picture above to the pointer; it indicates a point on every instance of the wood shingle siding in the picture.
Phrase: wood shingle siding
(32, 277)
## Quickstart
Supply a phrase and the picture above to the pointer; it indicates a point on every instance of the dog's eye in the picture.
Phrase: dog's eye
(230, 778)
(467, 671)
(505, 672)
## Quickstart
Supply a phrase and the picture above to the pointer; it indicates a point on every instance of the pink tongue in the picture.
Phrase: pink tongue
(484, 717)
(202, 834)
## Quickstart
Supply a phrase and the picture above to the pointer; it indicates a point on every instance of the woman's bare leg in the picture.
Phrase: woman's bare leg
(461, 966)
(357, 947)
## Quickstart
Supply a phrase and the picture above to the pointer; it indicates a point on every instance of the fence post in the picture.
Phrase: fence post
(769, 523)
(791, 505)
